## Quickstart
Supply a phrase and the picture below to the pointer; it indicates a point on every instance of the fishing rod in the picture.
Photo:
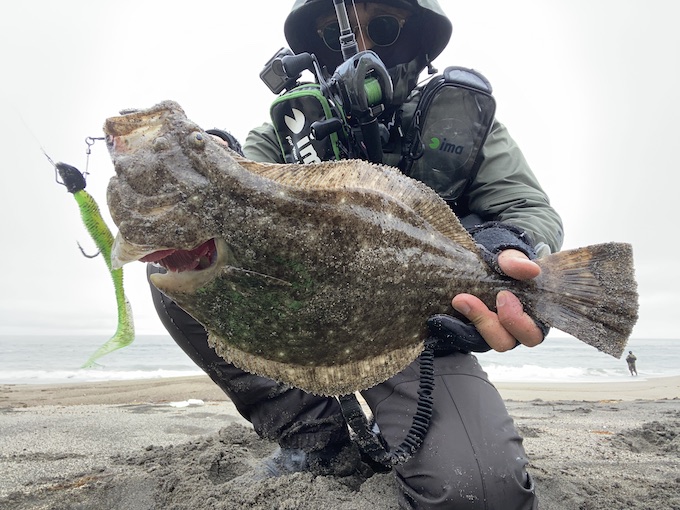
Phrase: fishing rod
(348, 41)
(363, 82)
(355, 95)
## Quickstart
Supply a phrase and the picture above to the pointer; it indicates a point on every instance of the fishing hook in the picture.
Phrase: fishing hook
(85, 254)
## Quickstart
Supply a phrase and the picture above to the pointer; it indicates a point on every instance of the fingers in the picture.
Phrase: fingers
(486, 322)
(501, 330)
(220, 140)
(511, 316)
(517, 265)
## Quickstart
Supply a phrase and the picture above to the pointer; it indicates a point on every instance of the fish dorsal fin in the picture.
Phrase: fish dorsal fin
(359, 174)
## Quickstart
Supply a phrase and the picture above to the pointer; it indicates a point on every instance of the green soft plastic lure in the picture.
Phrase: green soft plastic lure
(74, 181)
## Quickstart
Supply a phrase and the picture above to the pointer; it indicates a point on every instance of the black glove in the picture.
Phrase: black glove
(227, 137)
(493, 237)
(453, 334)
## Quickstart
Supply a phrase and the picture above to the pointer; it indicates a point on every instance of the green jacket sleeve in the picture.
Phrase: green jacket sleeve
(262, 146)
(505, 189)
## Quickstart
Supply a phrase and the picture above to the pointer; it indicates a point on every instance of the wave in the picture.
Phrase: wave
(46, 360)
(87, 375)
(497, 373)
(535, 373)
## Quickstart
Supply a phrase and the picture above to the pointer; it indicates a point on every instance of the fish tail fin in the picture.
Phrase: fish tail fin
(591, 294)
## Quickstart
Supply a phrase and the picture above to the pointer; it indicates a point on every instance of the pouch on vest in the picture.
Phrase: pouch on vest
(293, 114)
(449, 127)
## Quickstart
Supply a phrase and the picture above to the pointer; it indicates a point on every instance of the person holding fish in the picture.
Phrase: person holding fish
(472, 456)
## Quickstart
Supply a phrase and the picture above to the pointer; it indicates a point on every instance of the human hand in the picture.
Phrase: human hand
(220, 141)
(509, 325)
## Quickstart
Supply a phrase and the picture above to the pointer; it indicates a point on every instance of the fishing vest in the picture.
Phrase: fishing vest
(442, 146)
(294, 114)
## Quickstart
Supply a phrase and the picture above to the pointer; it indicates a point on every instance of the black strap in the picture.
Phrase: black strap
(374, 445)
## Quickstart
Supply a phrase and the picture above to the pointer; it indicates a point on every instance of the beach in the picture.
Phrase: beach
(179, 443)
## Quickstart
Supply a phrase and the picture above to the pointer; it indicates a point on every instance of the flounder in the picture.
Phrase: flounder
(322, 276)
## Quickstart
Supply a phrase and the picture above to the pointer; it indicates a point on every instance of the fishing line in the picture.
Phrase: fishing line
(37, 141)
(89, 141)
(356, 17)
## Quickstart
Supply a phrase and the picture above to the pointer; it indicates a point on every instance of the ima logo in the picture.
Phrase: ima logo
(303, 150)
(444, 146)
(296, 123)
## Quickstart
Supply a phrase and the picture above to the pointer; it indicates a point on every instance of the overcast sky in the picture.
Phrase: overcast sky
(588, 88)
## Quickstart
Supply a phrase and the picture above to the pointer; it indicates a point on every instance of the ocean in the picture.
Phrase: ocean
(57, 359)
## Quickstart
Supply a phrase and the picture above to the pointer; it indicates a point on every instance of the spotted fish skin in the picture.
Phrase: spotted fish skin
(323, 275)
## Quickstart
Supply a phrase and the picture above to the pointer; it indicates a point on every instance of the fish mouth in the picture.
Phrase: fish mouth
(187, 270)
(133, 129)
(175, 260)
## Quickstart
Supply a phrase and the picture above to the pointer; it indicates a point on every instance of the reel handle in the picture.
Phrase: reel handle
(292, 65)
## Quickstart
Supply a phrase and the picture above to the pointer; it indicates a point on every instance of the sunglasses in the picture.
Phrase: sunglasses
(383, 30)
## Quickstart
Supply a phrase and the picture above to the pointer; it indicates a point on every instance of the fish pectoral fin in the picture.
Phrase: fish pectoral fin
(191, 281)
(270, 280)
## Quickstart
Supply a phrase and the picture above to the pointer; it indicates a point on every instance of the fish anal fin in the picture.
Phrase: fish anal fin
(322, 380)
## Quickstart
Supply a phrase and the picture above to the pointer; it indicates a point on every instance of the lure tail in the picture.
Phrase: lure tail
(124, 335)
(103, 238)
(590, 293)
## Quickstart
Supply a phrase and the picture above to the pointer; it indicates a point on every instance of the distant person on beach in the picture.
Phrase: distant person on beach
(471, 456)
(631, 359)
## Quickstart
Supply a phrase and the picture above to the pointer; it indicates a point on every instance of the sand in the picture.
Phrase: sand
(179, 443)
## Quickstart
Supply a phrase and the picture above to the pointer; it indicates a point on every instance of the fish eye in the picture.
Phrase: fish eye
(196, 139)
